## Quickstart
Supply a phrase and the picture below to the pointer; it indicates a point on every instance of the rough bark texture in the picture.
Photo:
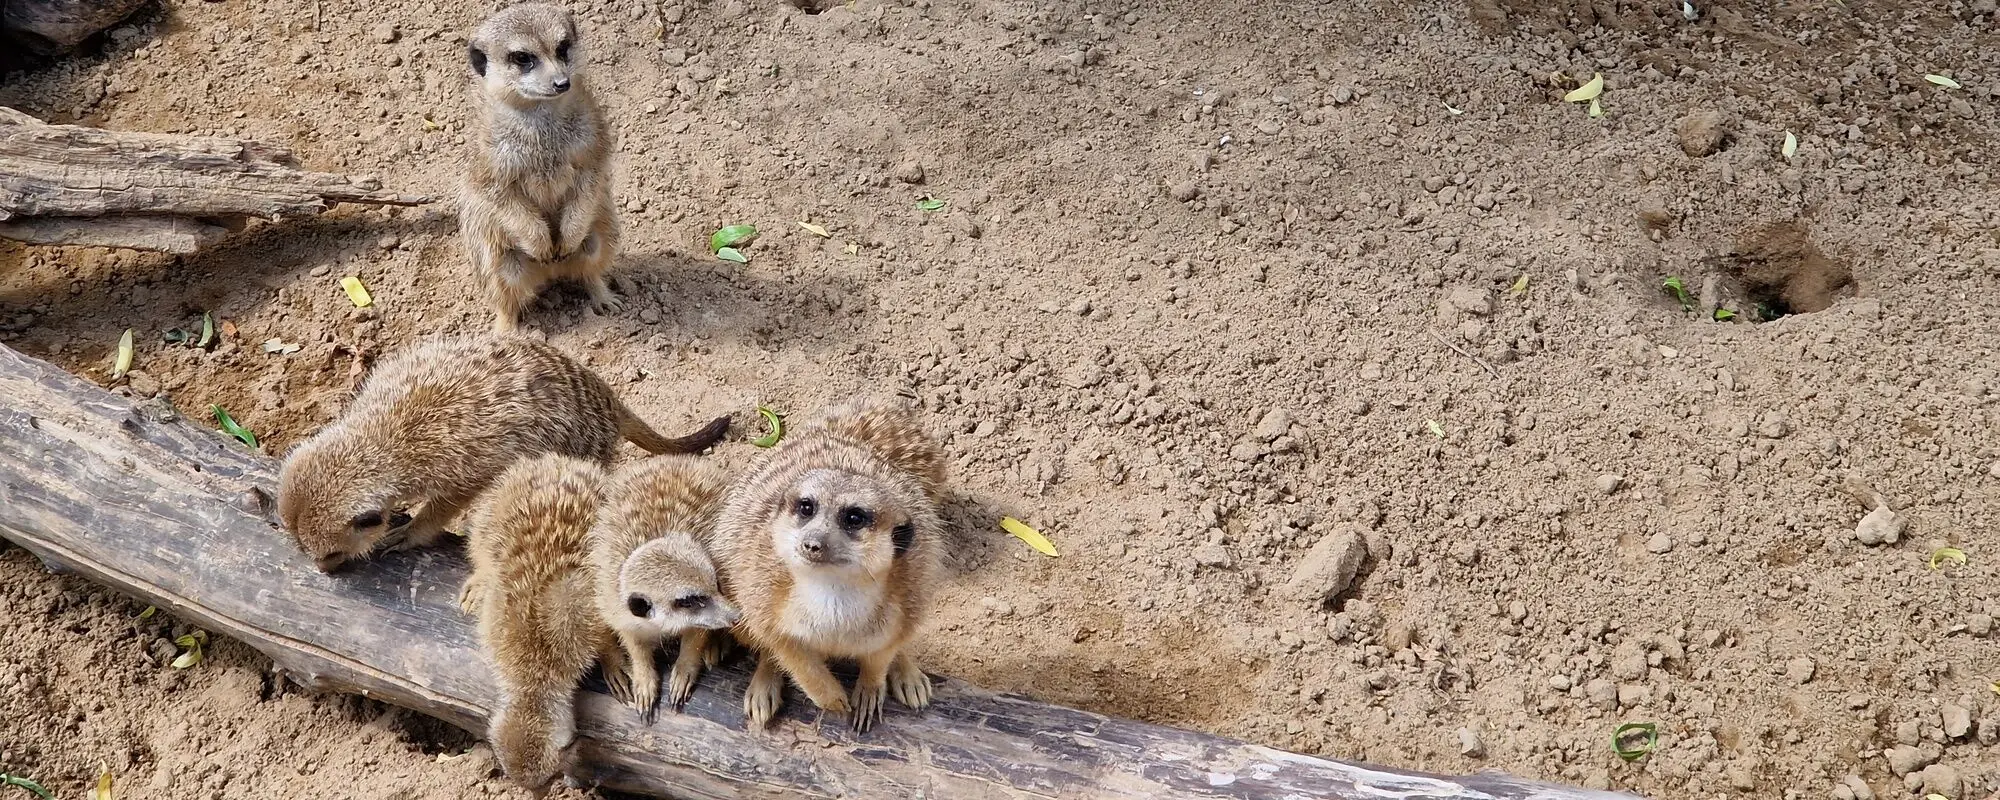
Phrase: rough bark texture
(179, 516)
(85, 185)
(48, 27)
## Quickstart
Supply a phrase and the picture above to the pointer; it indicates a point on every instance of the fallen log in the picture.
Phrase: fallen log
(69, 184)
(32, 29)
(178, 516)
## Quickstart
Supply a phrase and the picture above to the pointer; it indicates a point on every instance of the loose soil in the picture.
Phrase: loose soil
(1214, 281)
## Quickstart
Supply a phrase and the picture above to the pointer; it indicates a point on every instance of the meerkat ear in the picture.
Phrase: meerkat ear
(478, 60)
(905, 537)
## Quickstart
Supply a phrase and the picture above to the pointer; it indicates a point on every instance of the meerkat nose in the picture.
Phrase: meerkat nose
(560, 85)
(639, 606)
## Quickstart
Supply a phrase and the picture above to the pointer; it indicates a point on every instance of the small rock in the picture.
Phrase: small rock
(1980, 625)
(1774, 426)
(1904, 759)
(1269, 127)
(1800, 670)
(1957, 720)
(1703, 133)
(143, 385)
(1213, 555)
(1185, 190)
(1944, 780)
(162, 651)
(1609, 484)
(1910, 732)
(910, 172)
(1276, 422)
(1560, 683)
(1628, 661)
(701, 73)
(321, 271)
(1246, 452)
(1398, 637)
(1328, 569)
(388, 241)
(1989, 732)
(1740, 778)
(1469, 744)
(1633, 695)
(1602, 693)
(1342, 95)
(1881, 526)
(1857, 787)
(650, 316)
(385, 33)
(1660, 544)
(997, 607)
(1470, 300)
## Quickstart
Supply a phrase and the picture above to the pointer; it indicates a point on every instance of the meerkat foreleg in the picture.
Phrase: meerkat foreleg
(695, 651)
(645, 674)
(808, 669)
(428, 525)
(766, 693)
(869, 688)
(908, 683)
(619, 671)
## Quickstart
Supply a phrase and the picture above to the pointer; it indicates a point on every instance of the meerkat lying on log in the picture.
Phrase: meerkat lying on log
(656, 577)
(833, 548)
(433, 425)
(536, 204)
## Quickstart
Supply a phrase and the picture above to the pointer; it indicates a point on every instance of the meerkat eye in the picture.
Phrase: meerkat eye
(367, 519)
(639, 606)
(854, 518)
(522, 61)
(399, 519)
(693, 602)
(806, 508)
(562, 50)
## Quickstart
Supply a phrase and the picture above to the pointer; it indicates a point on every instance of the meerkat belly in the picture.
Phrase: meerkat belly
(836, 619)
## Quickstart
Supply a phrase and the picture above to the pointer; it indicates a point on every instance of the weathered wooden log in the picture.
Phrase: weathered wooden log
(43, 28)
(151, 191)
(179, 516)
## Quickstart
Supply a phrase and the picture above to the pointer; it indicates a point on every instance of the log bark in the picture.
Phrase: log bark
(48, 27)
(151, 191)
(177, 515)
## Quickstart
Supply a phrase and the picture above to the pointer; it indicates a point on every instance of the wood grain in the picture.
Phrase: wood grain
(165, 510)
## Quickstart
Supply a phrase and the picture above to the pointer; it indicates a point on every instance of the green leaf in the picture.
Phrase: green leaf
(1674, 285)
(230, 426)
(1588, 91)
(732, 254)
(1790, 147)
(23, 783)
(777, 424)
(207, 330)
(1724, 315)
(149, 612)
(123, 364)
(1942, 81)
(187, 659)
(1520, 286)
(1944, 555)
(178, 336)
(1436, 428)
(730, 237)
(930, 204)
(1642, 747)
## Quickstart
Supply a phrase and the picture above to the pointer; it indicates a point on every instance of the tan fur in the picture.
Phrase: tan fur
(655, 575)
(532, 590)
(861, 600)
(536, 204)
(433, 425)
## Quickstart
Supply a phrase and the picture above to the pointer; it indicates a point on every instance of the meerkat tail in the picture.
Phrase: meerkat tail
(638, 432)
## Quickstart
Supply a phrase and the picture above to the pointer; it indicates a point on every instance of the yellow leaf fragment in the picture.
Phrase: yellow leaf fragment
(356, 292)
(1520, 286)
(1436, 428)
(103, 790)
(1588, 91)
(1944, 554)
(816, 230)
(1942, 81)
(1791, 146)
(851, 249)
(1595, 110)
(124, 362)
(429, 125)
(1935, 796)
(1034, 538)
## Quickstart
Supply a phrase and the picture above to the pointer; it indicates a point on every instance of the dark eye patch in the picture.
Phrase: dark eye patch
(905, 537)
(692, 602)
(524, 61)
(478, 61)
(562, 50)
(399, 519)
(854, 518)
(367, 519)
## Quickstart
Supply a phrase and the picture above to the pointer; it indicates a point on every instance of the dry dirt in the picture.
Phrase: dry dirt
(1217, 280)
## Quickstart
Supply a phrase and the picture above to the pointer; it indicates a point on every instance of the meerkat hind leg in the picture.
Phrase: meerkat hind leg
(766, 693)
(908, 682)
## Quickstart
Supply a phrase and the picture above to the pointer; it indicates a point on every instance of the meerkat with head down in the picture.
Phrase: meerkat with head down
(433, 425)
(536, 204)
(656, 578)
(532, 591)
(834, 547)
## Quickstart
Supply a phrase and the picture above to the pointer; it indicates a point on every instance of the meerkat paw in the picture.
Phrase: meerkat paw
(681, 680)
(764, 697)
(469, 596)
(867, 705)
(646, 697)
(909, 684)
(601, 298)
(619, 682)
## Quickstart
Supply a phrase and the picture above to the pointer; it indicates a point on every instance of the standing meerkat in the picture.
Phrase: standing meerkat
(834, 546)
(532, 591)
(536, 204)
(433, 425)
(655, 576)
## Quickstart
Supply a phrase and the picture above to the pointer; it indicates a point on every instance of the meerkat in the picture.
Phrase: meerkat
(833, 547)
(655, 576)
(433, 425)
(536, 204)
(532, 591)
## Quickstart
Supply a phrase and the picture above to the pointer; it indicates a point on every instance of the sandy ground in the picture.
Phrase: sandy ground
(1231, 299)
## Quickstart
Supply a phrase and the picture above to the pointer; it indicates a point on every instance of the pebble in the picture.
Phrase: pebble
(1469, 744)
(1560, 683)
(997, 607)
(701, 73)
(1276, 422)
(1989, 732)
(1703, 133)
(1189, 190)
(1269, 127)
(388, 241)
(1660, 544)
(1342, 95)
(1957, 721)
(1628, 661)
(1609, 484)
(1470, 300)
(321, 271)
(649, 316)
(143, 385)
(1904, 759)
(675, 56)
(1602, 693)
(910, 172)
(386, 33)
(1329, 568)
(1856, 788)
(1881, 526)
(1944, 780)
(1213, 555)
(162, 651)
(1979, 625)
(1800, 670)
(1774, 426)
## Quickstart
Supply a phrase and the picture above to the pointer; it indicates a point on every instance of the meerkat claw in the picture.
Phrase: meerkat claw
(762, 699)
(909, 684)
(867, 706)
(468, 596)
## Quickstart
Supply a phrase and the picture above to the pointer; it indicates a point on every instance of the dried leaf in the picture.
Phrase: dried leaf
(356, 292)
(1034, 538)
(123, 363)
(851, 249)
(1588, 91)
(1454, 111)
(429, 125)
(730, 236)
(207, 330)
(278, 345)
(1595, 110)
(1946, 554)
(816, 230)
(1791, 146)
(1436, 428)
(103, 790)
(777, 424)
(149, 612)
(187, 659)
(1520, 286)
(732, 254)
(228, 329)
(230, 426)
(1942, 81)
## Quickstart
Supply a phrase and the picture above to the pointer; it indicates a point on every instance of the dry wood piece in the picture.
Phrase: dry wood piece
(48, 27)
(67, 184)
(179, 516)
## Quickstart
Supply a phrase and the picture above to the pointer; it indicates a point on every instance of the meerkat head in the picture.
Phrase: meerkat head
(337, 503)
(669, 585)
(837, 520)
(532, 745)
(526, 54)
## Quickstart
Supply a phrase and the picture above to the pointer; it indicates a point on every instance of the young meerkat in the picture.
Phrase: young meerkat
(536, 204)
(834, 545)
(433, 425)
(656, 578)
(533, 593)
